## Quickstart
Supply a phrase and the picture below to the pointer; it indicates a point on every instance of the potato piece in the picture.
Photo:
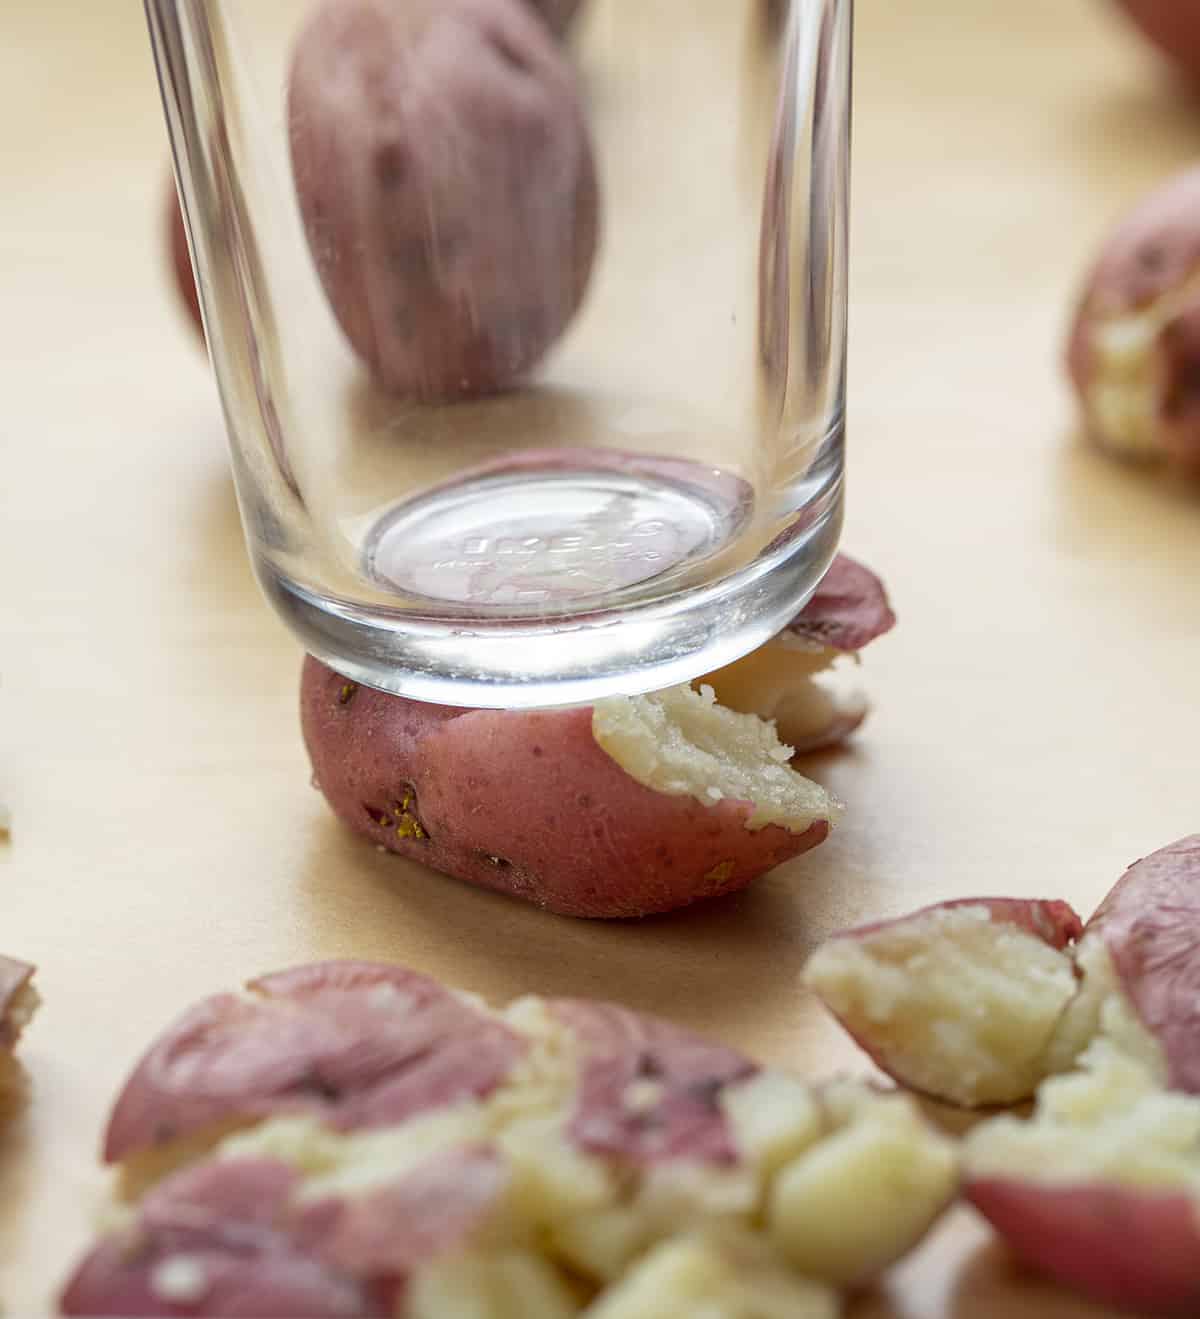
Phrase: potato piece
(18, 1001)
(959, 1000)
(1135, 341)
(447, 187)
(507, 1285)
(713, 1277)
(779, 681)
(1173, 26)
(1139, 985)
(607, 1135)
(856, 1201)
(638, 805)
(1101, 1190)
(359, 1044)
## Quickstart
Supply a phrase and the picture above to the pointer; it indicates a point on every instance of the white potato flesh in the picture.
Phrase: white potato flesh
(713, 1278)
(1100, 1010)
(502, 1285)
(681, 742)
(950, 1001)
(1110, 1121)
(865, 1195)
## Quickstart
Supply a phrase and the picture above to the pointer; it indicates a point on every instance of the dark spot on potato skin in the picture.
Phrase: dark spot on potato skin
(1150, 257)
(648, 1067)
(708, 1093)
(346, 693)
(391, 165)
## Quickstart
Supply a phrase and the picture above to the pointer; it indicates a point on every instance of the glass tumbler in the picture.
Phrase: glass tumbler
(528, 319)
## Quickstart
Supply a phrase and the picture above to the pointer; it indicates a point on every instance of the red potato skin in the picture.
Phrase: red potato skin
(226, 1218)
(1124, 1246)
(1154, 250)
(447, 187)
(849, 609)
(330, 1040)
(267, 1256)
(14, 976)
(1049, 919)
(386, 1235)
(558, 14)
(621, 1048)
(1150, 923)
(181, 260)
(266, 1252)
(1173, 26)
(525, 803)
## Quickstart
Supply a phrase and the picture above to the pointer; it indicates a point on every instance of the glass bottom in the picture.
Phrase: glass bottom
(582, 573)
(555, 531)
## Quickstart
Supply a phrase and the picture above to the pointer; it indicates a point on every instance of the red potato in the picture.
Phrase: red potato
(447, 187)
(1140, 958)
(18, 1002)
(1173, 26)
(975, 1001)
(618, 1157)
(635, 805)
(359, 1045)
(1101, 1189)
(780, 680)
(181, 259)
(1134, 349)
(960, 1000)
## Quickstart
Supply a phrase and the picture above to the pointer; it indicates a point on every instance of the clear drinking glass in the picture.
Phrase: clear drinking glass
(508, 428)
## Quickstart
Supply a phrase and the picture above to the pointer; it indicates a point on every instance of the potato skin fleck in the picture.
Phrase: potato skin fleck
(447, 186)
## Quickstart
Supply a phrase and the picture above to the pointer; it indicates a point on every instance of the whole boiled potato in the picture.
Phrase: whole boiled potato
(447, 186)
(1173, 26)
(1134, 348)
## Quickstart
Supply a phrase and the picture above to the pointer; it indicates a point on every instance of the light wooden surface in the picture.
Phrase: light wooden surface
(1036, 724)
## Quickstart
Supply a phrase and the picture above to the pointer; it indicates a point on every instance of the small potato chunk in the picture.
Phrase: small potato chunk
(18, 1000)
(859, 1199)
(713, 1277)
(447, 186)
(959, 1001)
(507, 1285)
(782, 680)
